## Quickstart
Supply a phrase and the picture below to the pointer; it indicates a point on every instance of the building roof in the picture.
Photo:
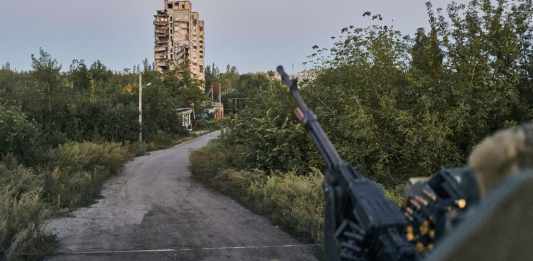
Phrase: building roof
(183, 110)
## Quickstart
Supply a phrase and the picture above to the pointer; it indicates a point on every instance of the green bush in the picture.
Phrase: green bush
(88, 156)
(208, 124)
(18, 135)
(165, 140)
(265, 134)
(209, 161)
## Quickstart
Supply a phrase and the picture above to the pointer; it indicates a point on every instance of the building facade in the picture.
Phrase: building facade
(179, 38)
(185, 117)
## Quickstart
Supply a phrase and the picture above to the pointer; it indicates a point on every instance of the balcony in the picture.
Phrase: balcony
(160, 22)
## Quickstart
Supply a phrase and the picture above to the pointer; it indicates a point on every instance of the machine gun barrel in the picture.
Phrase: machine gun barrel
(309, 119)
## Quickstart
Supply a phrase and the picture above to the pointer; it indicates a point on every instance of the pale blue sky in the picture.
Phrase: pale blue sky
(250, 34)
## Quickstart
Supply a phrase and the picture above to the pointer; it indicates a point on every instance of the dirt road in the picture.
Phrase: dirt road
(154, 211)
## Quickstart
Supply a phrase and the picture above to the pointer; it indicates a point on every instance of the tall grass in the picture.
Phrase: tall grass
(80, 170)
(28, 196)
(22, 212)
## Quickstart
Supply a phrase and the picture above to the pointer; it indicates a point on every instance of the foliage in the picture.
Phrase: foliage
(443, 92)
(79, 169)
(22, 213)
(209, 161)
(398, 106)
(295, 201)
(264, 134)
(90, 102)
(212, 75)
(18, 135)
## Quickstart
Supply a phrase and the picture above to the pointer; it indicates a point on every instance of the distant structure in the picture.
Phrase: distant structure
(217, 108)
(307, 75)
(179, 38)
(185, 117)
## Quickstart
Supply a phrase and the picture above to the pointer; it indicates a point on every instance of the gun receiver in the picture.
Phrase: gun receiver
(361, 223)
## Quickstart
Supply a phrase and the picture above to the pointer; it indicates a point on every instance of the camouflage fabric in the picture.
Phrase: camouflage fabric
(504, 154)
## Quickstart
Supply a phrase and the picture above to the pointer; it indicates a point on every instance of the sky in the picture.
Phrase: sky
(253, 35)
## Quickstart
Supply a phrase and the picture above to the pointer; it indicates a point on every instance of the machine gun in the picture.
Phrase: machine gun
(362, 224)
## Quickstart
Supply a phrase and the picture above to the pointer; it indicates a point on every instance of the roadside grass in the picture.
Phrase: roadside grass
(79, 170)
(164, 141)
(22, 213)
(72, 178)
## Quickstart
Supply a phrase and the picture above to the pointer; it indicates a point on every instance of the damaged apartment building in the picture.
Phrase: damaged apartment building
(179, 38)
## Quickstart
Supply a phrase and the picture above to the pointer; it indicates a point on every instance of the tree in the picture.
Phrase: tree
(80, 76)
(229, 78)
(427, 56)
(212, 75)
(18, 135)
(188, 90)
(46, 72)
(99, 72)
(146, 65)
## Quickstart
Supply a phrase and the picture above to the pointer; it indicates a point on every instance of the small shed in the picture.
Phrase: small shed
(185, 117)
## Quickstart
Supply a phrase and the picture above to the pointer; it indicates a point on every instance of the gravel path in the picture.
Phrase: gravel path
(154, 211)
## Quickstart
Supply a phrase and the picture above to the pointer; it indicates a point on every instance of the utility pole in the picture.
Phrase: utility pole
(140, 109)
